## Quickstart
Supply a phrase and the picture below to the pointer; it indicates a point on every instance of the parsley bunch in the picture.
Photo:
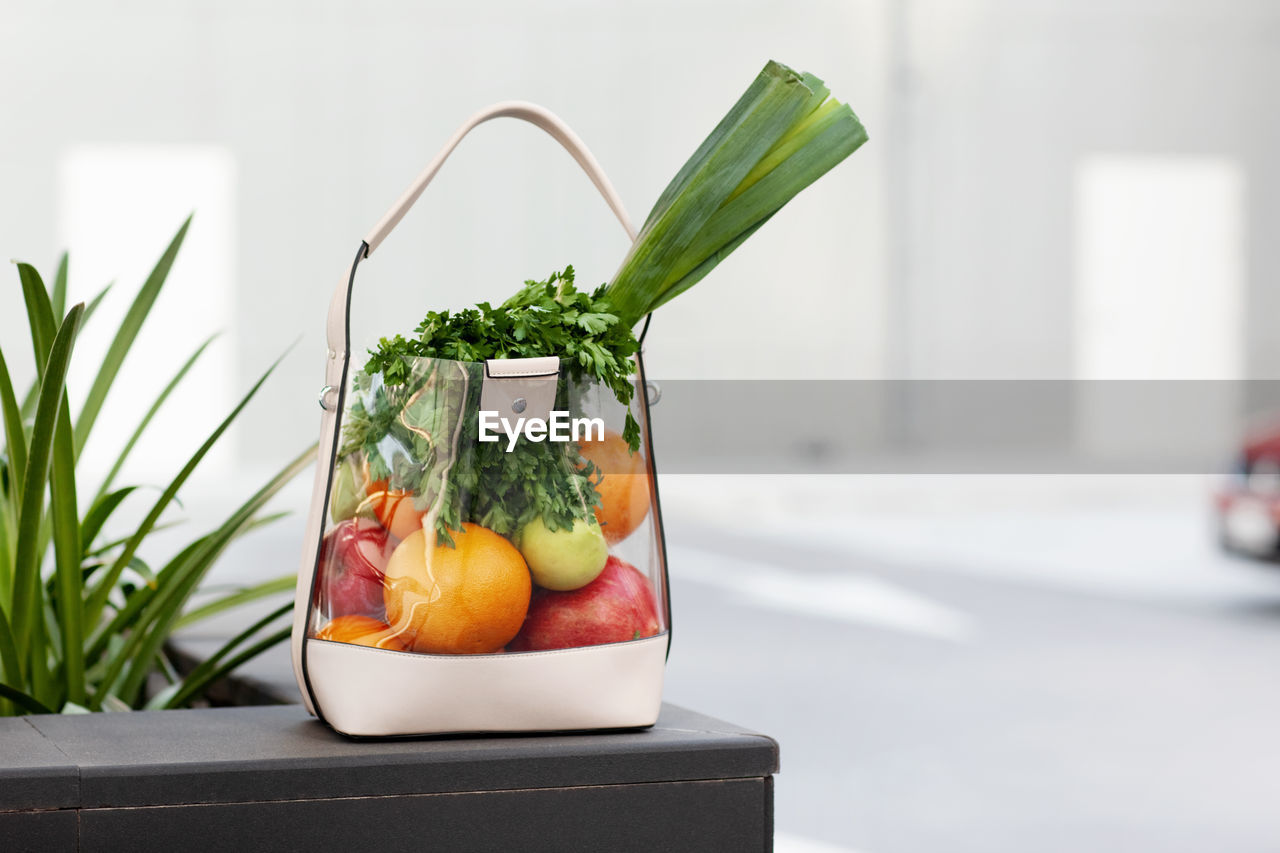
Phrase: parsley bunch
(414, 406)
(544, 318)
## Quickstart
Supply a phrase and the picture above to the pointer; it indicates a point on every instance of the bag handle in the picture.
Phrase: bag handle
(338, 329)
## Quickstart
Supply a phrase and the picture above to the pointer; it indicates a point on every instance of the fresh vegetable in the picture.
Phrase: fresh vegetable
(782, 135)
(406, 420)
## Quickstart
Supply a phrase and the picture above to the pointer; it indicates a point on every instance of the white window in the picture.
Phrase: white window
(1159, 268)
(1159, 295)
(118, 208)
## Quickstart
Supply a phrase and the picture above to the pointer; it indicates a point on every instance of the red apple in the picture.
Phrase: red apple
(617, 606)
(354, 556)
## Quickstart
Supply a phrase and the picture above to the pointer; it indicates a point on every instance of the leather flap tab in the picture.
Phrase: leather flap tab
(520, 387)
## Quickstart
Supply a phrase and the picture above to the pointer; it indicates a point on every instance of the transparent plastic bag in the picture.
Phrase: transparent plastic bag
(450, 532)
(454, 584)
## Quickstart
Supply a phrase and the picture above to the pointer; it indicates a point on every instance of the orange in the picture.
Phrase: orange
(624, 491)
(394, 509)
(469, 599)
(363, 631)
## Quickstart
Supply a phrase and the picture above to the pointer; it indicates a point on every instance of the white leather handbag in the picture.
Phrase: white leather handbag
(416, 613)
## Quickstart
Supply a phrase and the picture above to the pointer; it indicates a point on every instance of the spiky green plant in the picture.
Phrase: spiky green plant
(84, 615)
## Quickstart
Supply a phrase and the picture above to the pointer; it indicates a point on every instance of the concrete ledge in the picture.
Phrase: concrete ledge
(272, 778)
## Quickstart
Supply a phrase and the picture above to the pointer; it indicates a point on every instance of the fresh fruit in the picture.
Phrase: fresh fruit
(352, 561)
(617, 606)
(468, 599)
(348, 496)
(624, 489)
(394, 509)
(363, 631)
(568, 558)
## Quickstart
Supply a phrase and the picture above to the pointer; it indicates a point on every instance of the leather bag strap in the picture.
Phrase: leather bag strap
(338, 329)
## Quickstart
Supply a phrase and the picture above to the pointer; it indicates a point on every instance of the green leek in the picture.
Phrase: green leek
(782, 135)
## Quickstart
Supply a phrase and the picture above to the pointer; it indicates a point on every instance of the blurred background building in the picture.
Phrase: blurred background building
(1053, 190)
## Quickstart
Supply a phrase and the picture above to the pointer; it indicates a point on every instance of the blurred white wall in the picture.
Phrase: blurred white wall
(145, 189)
(947, 247)
(329, 109)
(1004, 102)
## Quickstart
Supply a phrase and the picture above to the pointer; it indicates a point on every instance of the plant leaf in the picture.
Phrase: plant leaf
(23, 700)
(26, 574)
(112, 703)
(58, 299)
(125, 337)
(40, 316)
(175, 584)
(244, 595)
(116, 543)
(10, 659)
(15, 441)
(98, 515)
(93, 304)
(112, 632)
(98, 598)
(68, 552)
(138, 600)
(239, 660)
(208, 671)
(40, 681)
(7, 523)
(146, 419)
(29, 398)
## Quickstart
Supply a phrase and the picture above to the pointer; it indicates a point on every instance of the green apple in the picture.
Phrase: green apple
(347, 498)
(565, 559)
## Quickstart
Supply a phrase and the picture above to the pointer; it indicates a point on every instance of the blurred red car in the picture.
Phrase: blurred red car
(1248, 505)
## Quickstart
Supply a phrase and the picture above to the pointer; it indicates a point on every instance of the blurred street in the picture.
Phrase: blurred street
(953, 678)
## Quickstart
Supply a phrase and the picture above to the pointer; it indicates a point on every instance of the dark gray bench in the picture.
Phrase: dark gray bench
(271, 778)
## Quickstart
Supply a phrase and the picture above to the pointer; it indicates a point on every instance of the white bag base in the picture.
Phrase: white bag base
(367, 692)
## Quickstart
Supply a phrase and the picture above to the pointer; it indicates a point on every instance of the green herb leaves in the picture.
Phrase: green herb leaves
(544, 318)
(412, 413)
